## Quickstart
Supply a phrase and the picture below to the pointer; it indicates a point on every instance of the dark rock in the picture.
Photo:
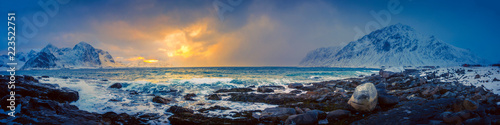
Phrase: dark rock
(178, 110)
(470, 105)
(308, 118)
(388, 100)
(477, 77)
(63, 95)
(234, 90)
(190, 97)
(277, 114)
(495, 79)
(337, 115)
(162, 100)
(45, 76)
(295, 92)
(478, 121)
(214, 97)
(308, 88)
(295, 85)
(269, 88)
(213, 108)
(116, 85)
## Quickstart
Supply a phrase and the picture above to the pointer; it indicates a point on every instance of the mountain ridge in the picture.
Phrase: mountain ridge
(82, 55)
(395, 45)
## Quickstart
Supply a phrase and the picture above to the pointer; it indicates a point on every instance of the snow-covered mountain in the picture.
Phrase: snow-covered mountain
(395, 45)
(320, 56)
(83, 55)
(20, 59)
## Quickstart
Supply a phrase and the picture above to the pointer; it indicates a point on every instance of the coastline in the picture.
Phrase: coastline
(410, 98)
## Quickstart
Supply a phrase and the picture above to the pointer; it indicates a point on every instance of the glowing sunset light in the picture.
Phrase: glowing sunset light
(150, 60)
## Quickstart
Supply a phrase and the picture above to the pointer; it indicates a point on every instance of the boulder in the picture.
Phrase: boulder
(277, 114)
(364, 98)
(337, 114)
(295, 85)
(470, 105)
(308, 118)
(214, 97)
(116, 85)
(269, 88)
(162, 100)
(178, 110)
(295, 92)
(63, 95)
(190, 97)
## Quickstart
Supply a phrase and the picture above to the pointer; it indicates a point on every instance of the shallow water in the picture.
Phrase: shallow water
(95, 96)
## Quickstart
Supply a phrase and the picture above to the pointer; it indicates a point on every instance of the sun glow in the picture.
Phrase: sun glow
(150, 60)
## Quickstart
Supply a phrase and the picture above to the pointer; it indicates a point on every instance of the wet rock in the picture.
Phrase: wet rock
(116, 85)
(470, 105)
(178, 110)
(265, 89)
(162, 100)
(63, 95)
(337, 114)
(388, 100)
(216, 107)
(295, 85)
(295, 92)
(308, 88)
(45, 76)
(277, 114)
(308, 118)
(214, 97)
(364, 97)
(190, 97)
(234, 90)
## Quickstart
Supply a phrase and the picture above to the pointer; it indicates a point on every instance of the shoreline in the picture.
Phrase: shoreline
(326, 103)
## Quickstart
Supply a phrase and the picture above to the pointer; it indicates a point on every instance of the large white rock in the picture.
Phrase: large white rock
(364, 97)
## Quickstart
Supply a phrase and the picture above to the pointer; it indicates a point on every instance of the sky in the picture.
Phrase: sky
(196, 33)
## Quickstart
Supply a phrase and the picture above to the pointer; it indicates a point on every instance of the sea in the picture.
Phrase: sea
(140, 85)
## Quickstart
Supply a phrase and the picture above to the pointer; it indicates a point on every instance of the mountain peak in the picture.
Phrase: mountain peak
(82, 45)
(50, 46)
(394, 45)
(395, 29)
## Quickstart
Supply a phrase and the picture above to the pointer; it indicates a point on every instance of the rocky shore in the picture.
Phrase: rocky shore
(385, 98)
(48, 104)
(407, 97)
